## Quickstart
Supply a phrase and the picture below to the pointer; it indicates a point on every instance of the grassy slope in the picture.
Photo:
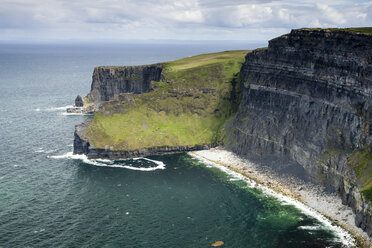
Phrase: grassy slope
(189, 109)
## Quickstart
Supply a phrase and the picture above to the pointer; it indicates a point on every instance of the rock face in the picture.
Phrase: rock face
(81, 146)
(109, 81)
(308, 98)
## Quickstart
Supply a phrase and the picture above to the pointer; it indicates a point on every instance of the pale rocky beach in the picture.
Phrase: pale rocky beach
(314, 196)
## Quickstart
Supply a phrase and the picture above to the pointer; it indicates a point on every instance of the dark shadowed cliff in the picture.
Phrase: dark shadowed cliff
(308, 98)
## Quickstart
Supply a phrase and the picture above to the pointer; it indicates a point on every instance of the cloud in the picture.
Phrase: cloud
(168, 19)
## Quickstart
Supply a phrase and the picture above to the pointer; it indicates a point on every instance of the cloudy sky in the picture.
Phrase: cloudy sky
(51, 20)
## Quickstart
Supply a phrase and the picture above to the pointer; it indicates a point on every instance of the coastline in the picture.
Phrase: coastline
(311, 195)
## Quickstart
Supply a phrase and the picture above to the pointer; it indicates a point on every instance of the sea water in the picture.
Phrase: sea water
(51, 198)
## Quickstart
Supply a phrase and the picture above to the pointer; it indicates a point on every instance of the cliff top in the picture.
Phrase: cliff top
(361, 30)
(204, 59)
(121, 67)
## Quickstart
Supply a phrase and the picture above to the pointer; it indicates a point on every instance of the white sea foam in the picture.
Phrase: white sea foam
(309, 227)
(37, 110)
(50, 151)
(342, 235)
(39, 150)
(109, 163)
(59, 108)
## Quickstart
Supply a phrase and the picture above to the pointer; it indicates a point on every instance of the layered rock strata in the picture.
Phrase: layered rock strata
(109, 81)
(308, 98)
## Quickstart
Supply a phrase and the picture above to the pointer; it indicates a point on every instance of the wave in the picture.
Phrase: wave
(59, 108)
(65, 113)
(50, 109)
(111, 163)
(310, 227)
(39, 150)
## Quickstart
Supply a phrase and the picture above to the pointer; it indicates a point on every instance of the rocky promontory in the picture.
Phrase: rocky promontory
(157, 109)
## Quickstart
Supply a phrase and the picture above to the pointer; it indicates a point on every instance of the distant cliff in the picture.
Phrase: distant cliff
(109, 81)
(308, 98)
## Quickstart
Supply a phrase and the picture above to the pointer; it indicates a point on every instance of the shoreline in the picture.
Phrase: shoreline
(313, 196)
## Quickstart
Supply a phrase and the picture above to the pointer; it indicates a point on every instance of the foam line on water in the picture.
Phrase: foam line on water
(59, 108)
(343, 236)
(102, 162)
(309, 227)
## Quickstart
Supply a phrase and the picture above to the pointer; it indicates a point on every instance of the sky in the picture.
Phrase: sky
(117, 20)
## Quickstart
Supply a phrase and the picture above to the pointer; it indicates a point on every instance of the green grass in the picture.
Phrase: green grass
(205, 59)
(189, 109)
(364, 30)
(361, 160)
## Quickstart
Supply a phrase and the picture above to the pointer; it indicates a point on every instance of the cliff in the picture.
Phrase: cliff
(109, 81)
(172, 107)
(308, 98)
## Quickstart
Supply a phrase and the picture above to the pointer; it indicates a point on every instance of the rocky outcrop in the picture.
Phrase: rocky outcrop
(307, 98)
(109, 81)
(81, 145)
(79, 101)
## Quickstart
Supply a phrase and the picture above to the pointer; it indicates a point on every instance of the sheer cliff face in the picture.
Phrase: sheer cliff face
(307, 97)
(109, 81)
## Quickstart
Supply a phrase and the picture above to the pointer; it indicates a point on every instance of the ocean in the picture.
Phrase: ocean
(49, 198)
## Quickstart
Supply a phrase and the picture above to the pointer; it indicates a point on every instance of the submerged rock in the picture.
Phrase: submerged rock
(217, 243)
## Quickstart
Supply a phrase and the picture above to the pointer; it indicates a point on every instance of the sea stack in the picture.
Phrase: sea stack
(79, 101)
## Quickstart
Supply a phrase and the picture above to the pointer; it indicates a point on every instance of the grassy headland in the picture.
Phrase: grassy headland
(189, 108)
